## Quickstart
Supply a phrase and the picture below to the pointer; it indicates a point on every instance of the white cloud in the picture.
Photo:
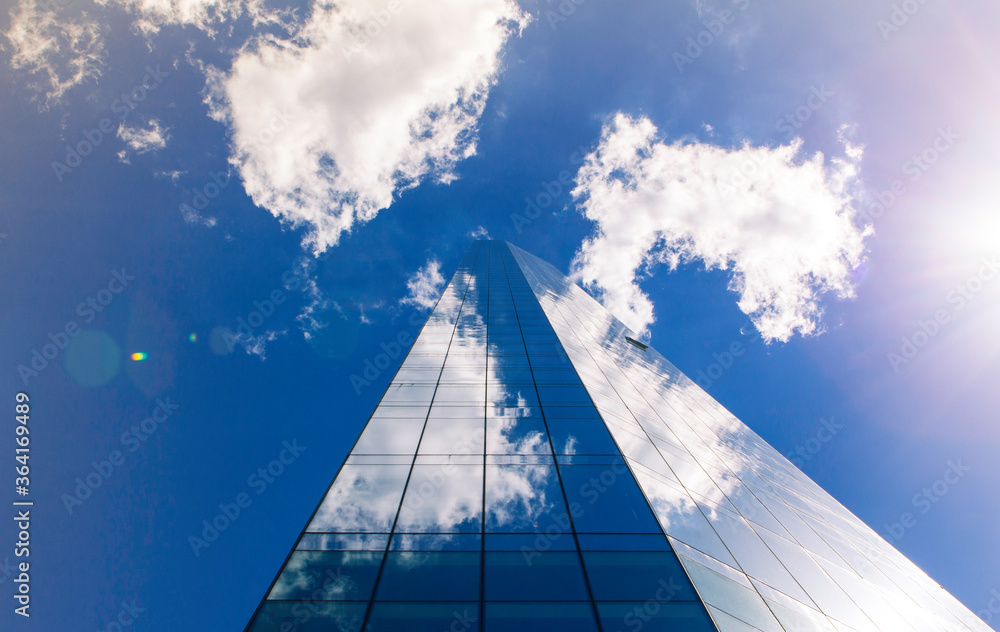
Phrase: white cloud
(480, 233)
(141, 140)
(57, 54)
(781, 223)
(207, 15)
(360, 105)
(257, 345)
(311, 318)
(425, 286)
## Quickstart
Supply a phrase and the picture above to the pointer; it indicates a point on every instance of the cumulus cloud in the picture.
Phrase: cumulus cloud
(58, 54)
(425, 286)
(781, 223)
(361, 104)
(140, 139)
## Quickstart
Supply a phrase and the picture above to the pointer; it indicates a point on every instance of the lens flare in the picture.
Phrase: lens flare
(139, 356)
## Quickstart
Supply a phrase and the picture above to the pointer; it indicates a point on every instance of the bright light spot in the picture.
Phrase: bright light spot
(193, 337)
(139, 356)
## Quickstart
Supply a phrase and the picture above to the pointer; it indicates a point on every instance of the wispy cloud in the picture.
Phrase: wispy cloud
(480, 232)
(207, 15)
(425, 286)
(140, 139)
(329, 125)
(57, 54)
(781, 223)
(257, 345)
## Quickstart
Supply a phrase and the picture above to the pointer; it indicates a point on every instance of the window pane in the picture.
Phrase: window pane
(580, 436)
(423, 617)
(443, 499)
(522, 498)
(608, 498)
(540, 617)
(328, 576)
(655, 617)
(363, 498)
(306, 616)
(637, 576)
(534, 576)
(430, 576)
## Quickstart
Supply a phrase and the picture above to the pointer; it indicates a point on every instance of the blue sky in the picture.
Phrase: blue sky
(811, 181)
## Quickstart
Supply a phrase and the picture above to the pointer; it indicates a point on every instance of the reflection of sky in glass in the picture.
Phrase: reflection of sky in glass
(487, 431)
(717, 487)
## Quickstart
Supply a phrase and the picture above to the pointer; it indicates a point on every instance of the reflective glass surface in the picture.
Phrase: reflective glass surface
(529, 468)
(765, 546)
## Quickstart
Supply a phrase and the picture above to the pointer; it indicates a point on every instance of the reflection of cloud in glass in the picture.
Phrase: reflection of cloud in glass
(516, 496)
(363, 498)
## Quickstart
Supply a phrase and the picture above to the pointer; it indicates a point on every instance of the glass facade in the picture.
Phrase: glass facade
(531, 468)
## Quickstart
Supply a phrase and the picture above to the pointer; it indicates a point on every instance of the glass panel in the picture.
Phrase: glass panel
(343, 542)
(608, 499)
(387, 435)
(540, 617)
(528, 544)
(443, 499)
(629, 542)
(430, 576)
(328, 576)
(436, 542)
(637, 576)
(423, 617)
(524, 498)
(741, 602)
(516, 436)
(534, 576)
(305, 616)
(453, 436)
(363, 498)
(580, 436)
(654, 617)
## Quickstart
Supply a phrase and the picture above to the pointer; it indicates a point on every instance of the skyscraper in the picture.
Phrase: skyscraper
(533, 466)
